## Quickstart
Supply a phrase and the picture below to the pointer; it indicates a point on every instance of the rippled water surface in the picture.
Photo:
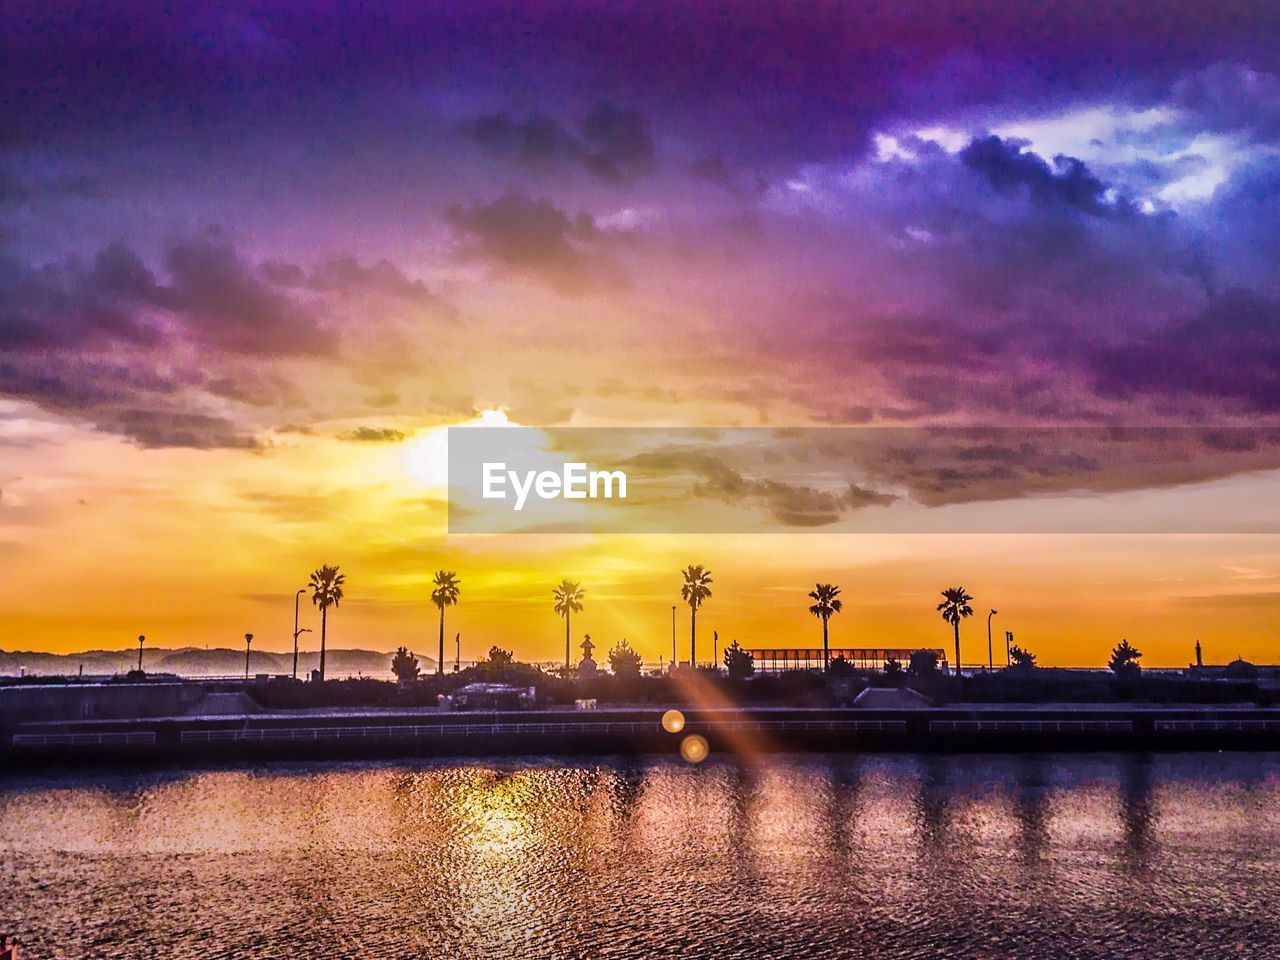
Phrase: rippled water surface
(788, 856)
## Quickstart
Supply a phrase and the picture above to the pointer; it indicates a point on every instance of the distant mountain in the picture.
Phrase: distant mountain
(198, 662)
(219, 663)
(94, 662)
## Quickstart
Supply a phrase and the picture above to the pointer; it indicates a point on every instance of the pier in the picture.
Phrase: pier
(355, 734)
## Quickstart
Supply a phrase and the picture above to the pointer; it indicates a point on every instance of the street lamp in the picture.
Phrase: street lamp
(141, 640)
(296, 632)
(248, 639)
(673, 636)
(991, 665)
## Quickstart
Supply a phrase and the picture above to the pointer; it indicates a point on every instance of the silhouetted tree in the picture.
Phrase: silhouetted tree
(893, 669)
(1240, 669)
(1124, 660)
(623, 660)
(1021, 659)
(326, 591)
(446, 587)
(954, 608)
(827, 604)
(404, 665)
(923, 663)
(840, 667)
(568, 597)
(499, 657)
(696, 589)
(738, 662)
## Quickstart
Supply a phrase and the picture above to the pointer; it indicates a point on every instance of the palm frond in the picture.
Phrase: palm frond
(447, 588)
(568, 597)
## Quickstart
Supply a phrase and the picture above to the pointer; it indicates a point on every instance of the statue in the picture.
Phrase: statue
(587, 666)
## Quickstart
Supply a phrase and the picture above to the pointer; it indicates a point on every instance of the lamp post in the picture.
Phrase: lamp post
(673, 636)
(991, 665)
(296, 632)
(141, 640)
(248, 639)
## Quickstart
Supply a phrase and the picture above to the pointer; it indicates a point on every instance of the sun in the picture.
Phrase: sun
(426, 456)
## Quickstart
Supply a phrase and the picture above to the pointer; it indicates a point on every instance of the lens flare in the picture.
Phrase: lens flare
(673, 721)
(694, 748)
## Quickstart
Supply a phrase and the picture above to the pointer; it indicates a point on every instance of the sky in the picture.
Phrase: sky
(256, 258)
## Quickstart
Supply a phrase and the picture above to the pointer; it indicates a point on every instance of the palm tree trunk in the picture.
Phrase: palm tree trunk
(324, 623)
(566, 639)
(956, 625)
(693, 637)
(826, 649)
(440, 660)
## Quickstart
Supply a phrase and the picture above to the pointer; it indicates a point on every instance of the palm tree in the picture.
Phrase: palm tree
(445, 594)
(954, 608)
(326, 592)
(828, 605)
(696, 588)
(568, 597)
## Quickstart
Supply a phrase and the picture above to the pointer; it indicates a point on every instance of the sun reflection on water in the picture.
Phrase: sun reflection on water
(795, 856)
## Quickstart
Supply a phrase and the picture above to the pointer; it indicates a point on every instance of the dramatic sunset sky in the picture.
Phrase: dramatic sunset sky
(255, 258)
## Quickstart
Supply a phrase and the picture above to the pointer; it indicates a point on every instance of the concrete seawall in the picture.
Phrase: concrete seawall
(356, 735)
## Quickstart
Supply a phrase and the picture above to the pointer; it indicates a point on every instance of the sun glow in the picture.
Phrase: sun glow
(426, 456)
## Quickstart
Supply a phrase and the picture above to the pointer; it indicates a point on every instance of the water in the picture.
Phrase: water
(783, 856)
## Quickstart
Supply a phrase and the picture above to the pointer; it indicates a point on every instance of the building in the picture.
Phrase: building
(865, 659)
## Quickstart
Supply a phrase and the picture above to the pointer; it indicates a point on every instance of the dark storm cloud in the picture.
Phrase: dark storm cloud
(159, 428)
(139, 351)
(372, 435)
(224, 302)
(1033, 290)
(619, 145)
(537, 141)
(65, 304)
(211, 292)
(614, 144)
(143, 400)
(787, 504)
(939, 466)
(256, 387)
(348, 277)
(1230, 350)
(1008, 166)
(536, 239)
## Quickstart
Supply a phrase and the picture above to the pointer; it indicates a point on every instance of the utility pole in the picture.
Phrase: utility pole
(457, 652)
(1008, 647)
